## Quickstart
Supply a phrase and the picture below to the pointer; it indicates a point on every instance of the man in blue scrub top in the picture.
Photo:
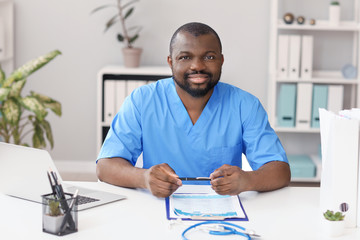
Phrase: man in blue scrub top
(192, 125)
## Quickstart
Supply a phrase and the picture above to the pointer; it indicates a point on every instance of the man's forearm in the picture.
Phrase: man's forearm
(271, 176)
(120, 172)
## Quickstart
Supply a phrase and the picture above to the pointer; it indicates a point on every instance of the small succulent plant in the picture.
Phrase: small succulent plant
(331, 216)
(54, 208)
(334, 3)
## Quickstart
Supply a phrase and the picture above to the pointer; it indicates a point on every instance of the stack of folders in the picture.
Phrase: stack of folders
(115, 92)
(340, 182)
(295, 56)
(298, 104)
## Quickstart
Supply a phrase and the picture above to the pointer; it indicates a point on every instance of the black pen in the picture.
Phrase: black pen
(51, 184)
(67, 217)
(59, 192)
(53, 176)
(60, 188)
(57, 187)
(195, 179)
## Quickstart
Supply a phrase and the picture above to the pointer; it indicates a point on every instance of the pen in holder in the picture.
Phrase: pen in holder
(60, 215)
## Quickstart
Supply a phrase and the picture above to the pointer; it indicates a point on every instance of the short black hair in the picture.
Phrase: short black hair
(196, 29)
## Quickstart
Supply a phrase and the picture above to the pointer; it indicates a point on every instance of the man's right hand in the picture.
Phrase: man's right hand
(161, 180)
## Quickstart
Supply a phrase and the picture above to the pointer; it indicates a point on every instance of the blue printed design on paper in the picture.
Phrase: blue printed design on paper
(178, 212)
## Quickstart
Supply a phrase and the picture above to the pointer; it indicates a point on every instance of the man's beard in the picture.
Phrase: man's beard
(197, 92)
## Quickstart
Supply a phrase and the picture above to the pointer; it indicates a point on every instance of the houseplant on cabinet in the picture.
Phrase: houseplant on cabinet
(14, 124)
(128, 35)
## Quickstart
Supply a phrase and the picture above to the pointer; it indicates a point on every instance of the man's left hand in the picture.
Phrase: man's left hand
(229, 180)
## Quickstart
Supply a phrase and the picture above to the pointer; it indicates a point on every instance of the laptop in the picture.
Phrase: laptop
(23, 174)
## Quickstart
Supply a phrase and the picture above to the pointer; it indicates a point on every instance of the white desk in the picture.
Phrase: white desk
(289, 213)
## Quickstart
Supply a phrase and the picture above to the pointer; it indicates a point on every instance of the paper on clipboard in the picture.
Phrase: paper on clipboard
(194, 202)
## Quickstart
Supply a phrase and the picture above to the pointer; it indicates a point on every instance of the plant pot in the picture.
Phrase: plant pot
(333, 228)
(334, 15)
(132, 57)
(52, 224)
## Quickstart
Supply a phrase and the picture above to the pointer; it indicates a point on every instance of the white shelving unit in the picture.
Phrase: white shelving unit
(120, 73)
(7, 35)
(344, 36)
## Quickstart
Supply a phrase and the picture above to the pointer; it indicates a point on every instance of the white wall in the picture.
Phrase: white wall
(44, 25)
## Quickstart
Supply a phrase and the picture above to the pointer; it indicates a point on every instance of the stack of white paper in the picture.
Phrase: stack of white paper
(340, 163)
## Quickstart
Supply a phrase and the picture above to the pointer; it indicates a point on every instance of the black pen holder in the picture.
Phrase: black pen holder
(58, 218)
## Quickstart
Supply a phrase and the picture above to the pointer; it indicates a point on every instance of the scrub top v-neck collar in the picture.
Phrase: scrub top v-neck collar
(181, 116)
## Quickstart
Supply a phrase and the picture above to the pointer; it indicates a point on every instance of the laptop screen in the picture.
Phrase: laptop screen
(23, 171)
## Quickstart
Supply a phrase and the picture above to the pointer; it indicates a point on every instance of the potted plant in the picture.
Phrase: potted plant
(20, 116)
(52, 216)
(334, 223)
(334, 13)
(128, 35)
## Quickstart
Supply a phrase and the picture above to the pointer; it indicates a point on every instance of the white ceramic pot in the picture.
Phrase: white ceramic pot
(333, 228)
(52, 224)
(132, 57)
(334, 15)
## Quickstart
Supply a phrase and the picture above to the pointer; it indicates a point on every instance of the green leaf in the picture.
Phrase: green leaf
(129, 12)
(133, 38)
(11, 111)
(41, 98)
(331, 216)
(120, 37)
(55, 107)
(33, 105)
(102, 7)
(48, 102)
(16, 88)
(136, 35)
(46, 126)
(4, 92)
(30, 67)
(111, 22)
(38, 136)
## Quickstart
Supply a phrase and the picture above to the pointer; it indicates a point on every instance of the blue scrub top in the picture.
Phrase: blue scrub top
(153, 120)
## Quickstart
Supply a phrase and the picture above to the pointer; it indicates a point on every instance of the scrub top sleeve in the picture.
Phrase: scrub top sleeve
(124, 138)
(261, 144)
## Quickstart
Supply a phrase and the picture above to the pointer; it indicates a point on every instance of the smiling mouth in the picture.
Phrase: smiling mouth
(198, 78)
